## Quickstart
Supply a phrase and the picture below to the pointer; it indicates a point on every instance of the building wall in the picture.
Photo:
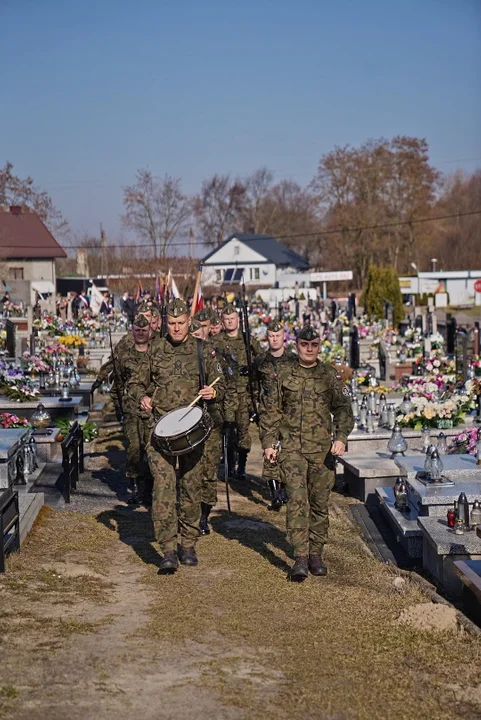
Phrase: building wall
(254, 273)
(32, 269)
(235, 252)
(459, 286)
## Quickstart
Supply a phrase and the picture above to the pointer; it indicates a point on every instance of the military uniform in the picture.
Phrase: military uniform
(296, 408)
(266, 366)
(172, 380)
(233, 349)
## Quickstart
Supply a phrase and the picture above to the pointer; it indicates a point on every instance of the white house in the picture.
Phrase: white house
(453, 287)
(260, 259)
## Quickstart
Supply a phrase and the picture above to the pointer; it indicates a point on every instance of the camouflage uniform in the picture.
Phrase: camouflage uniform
(296, 408)
(172, 381)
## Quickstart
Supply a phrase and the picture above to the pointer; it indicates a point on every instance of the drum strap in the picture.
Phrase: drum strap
(200, 360)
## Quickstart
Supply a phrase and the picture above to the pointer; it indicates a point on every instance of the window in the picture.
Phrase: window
(228, 275)
(15, 273)
(256, 274)
(236, 249)
(218, 276)
(238, 275)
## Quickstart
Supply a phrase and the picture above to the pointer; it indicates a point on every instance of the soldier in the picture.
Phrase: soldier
(266, 365)
(129, 359)
(232, 345)
(296, 409)
(215, 323)
(172, 380)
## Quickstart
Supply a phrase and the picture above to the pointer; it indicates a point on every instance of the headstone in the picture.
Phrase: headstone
(434, 321)
(430, 322)
(382, 361)
(354, 350)
(339, 333)
(461, 355)
(418, 323)
(451, 327)
(389, 313)
(476, 339)
(10, 328)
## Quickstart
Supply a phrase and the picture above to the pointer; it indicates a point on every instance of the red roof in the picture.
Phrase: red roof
(23, 235)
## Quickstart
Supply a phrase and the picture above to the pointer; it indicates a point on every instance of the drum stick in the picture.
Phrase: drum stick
(199, 397)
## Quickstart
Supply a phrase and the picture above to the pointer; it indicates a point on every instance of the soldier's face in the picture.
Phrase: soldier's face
(215, 329)
(275, 339)
(231, 321)
(141, 335)
(308, 350)
(178, 327)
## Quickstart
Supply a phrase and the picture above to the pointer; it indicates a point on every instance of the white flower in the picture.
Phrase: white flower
(436, 363)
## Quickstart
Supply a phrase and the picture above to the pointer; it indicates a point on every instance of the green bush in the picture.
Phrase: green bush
(383, 286)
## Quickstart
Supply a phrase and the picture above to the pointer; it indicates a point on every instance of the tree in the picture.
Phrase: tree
(383, 286)
(23, 192)
(218, 208)
(156, 210)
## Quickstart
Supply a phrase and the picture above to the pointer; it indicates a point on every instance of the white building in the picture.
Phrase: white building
(449, 287)
(260, 259)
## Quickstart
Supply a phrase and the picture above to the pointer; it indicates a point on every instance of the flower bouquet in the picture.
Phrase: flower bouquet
(17, 389)
(441, 414)
(465, 442)
(9, 421)
(34, 364)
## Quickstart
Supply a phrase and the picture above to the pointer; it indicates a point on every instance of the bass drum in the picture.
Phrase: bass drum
(181, 431)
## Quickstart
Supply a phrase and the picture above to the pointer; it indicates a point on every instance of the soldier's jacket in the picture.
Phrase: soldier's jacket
(265, 365)
(234, 353)
(297, 404)
(171, 376)
(128, 362)
(105, 370)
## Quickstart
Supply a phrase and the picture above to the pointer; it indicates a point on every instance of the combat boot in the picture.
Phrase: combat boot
(169, 563)
(135, 498)
(300, 570)
(241, 465)
(187, 556)
(204, 519)
(231, 462)
(316, 566)
(283, 494)
(276, 502)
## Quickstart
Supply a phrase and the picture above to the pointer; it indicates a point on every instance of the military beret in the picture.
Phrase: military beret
(215, 319)
(141, 321)
(202, 315)
(194, 325)
(274, 326)
(176, 308)
(229, 309)
(308, 333)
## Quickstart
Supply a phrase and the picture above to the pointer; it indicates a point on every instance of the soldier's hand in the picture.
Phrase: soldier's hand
(338, 448)
(146, 404)
(207, 393)
(270, 454)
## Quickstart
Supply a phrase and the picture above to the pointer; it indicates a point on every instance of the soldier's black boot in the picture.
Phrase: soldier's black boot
(316, 566)
(169, 563)
(134, 499)
(231, 462)
(204, 519)
(241, 465)
(283, 494)
(276, 502)
(300, 570)
(187, 556)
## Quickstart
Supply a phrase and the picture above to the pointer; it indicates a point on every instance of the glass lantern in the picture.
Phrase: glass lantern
(406, 405)
(397, 444)
(40, 418)
(442, 444)
(426, 437)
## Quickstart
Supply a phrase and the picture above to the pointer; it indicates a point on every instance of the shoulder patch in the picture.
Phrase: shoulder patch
(345, 391)
(219, 368)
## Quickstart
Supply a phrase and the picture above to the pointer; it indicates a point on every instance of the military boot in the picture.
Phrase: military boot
(231, 462)
(135, 498)
(204, 519)
(276, 502)
(283, 494)
(241, 465)
(316, 566)
(300, 570)
(169, 563)
(187, 556)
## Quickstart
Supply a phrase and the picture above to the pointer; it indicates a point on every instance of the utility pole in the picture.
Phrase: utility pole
(191, 242)
(103, 261)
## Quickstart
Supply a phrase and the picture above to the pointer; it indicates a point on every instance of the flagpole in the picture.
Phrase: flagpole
(196, 290)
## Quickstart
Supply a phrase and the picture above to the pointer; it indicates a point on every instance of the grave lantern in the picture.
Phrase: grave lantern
(406, 405)
(40, 417)
(397, 444)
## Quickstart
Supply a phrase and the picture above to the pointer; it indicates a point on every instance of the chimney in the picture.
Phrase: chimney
(16, 209)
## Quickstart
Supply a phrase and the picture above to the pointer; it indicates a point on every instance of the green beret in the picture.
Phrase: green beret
(274, 326)
(308, 333)
(141, 321)
(229, 309)
(202, 315)
(215, 319)
(176, 308)
(194, 325)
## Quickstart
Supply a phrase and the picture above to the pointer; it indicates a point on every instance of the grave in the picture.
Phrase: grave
(54, 405)
(364, 473)
(84, 391)
(12, 445)
(360, 442)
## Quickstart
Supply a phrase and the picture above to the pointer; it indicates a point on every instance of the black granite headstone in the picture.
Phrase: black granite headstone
(354, 350)
(451, 327)
(10, 328)
(461, 355)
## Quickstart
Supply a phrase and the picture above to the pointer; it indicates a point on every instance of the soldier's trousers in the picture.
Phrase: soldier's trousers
(242, 420)
(309, 481)
(167, 522)
(210, 465)
(137, 433)
(270, 471)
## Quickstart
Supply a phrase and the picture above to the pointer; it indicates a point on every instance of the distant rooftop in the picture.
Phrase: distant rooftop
(23, 235)
(267, 246)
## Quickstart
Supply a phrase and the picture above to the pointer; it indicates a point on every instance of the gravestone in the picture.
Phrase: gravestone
(476, 339)
(382, 361)
(451, 328)
(389, 313)
(339, 333)
(354, 349)
(11, 338)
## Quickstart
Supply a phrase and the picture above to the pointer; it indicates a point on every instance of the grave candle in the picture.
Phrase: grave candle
(442, 447)
(426, 437)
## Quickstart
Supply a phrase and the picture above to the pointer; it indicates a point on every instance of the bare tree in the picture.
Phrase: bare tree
(156, 210)
(218, 208)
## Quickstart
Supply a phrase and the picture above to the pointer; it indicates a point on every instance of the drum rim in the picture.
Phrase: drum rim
(183, 432)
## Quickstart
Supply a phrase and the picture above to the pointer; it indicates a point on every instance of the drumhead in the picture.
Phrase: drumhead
(178, 421)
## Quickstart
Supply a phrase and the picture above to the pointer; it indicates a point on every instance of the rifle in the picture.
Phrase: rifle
(226, 473)
(247, 342)
(116, 375)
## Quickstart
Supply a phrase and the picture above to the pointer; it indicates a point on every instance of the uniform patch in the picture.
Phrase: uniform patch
(219, 368)
(178, 367)
(345, 391)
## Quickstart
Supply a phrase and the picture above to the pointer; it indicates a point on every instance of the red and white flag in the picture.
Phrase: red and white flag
(198, 301)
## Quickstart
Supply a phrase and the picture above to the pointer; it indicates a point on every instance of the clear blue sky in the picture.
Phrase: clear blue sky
(91, 90)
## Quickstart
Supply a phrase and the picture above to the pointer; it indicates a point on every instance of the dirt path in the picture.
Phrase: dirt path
(91, 631)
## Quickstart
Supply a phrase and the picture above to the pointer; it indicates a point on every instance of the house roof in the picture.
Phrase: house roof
(23, 235)
(267, 246)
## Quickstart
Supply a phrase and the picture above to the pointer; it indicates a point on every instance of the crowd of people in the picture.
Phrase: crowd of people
(298, 405)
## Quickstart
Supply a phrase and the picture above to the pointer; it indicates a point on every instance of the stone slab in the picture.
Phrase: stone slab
(48, 447)
(445, 539)
(359, 441)
(29, 505)
(469, 572)
(456, 467)
(10, 440)
(403, 525)
(433, 495)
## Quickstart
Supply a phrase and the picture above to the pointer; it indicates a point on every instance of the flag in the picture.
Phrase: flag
(198, 301)
(96, 300)
(159, 295)
(139, 292)
(172, 286)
